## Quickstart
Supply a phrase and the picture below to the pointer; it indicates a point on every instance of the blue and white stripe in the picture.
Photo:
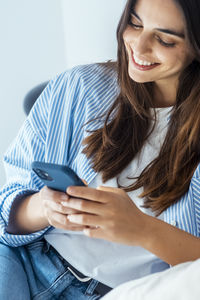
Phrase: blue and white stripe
(53, 132)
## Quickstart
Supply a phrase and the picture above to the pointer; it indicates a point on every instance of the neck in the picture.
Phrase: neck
(165, 94)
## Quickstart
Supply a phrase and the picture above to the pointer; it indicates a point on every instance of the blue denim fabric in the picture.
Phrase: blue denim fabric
(36, 271)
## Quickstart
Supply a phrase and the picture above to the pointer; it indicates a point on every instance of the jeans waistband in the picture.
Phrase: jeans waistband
(101, 289)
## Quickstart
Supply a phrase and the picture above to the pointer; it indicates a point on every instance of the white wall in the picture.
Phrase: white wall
(40, 38)
(90, 29)
(32, 50)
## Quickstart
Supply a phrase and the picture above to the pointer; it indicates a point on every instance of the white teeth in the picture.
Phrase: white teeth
(142, 63)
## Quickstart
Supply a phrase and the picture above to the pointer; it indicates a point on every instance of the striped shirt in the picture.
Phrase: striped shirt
(53, 132)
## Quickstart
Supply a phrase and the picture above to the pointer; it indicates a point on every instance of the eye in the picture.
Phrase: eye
(165, 44)
(132, 24)
(135, 25)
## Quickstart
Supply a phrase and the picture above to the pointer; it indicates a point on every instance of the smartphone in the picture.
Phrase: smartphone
(57, 177)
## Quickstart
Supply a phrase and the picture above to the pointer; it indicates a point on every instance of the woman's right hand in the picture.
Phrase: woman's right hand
(53, 210)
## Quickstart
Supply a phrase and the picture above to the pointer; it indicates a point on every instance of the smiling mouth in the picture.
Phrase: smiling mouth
(142, 65)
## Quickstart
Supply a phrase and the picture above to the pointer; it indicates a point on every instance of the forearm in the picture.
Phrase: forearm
(171, 244)
(26, 215)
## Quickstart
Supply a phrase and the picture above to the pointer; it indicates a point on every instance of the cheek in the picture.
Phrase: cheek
(177, 57)
(173, 58)
(129, 35)
(125, 36)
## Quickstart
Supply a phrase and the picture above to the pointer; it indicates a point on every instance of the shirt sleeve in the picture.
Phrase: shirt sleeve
(53, 132)
(195, 182)
(29, 145)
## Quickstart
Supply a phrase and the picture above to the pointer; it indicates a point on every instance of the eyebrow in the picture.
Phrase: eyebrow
(168, 31)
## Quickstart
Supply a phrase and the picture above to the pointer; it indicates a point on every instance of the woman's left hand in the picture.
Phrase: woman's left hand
(108, 213)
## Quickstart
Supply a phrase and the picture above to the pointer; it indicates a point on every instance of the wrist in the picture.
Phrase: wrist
(29, 215)
(35, 203)
(148, 231)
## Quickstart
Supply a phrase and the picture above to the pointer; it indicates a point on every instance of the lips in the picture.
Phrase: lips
(143, 67)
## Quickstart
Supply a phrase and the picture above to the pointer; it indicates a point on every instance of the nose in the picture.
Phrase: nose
(142, 44)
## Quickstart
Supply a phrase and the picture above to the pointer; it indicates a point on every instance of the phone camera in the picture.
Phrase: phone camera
(43, 175)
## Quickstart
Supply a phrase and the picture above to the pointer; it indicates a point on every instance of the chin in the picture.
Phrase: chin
(138, 78)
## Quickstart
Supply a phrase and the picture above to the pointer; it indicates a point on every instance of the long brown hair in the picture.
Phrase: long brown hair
(114, 146)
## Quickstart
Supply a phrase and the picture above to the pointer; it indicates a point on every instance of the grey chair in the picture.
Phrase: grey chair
(32, 96)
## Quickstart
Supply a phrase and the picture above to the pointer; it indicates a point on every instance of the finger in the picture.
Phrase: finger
(96, 233)
(85, 219)
(60, 221)
(84, 206)
(58, 207)
(85, 182)
(55, 196)
(110, 189)
(87, 193)
(68, 227)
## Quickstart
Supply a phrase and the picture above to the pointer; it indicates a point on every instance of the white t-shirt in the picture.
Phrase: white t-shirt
(113, 263)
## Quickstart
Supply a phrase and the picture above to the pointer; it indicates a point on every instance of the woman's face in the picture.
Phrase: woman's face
(155, 42)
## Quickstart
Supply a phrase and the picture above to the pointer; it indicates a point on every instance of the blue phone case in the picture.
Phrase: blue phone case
(57, 177)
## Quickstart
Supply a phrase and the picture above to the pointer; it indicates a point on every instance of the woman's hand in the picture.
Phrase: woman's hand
(109, 213)
(54, 212)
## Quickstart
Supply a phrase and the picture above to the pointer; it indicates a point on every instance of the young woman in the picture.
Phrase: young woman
(132, 133)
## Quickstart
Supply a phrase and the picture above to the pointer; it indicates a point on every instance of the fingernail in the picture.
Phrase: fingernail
(100, 187)
(70, 190)
(70, 217)
(86, 232)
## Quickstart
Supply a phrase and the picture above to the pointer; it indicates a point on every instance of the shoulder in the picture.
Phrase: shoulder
(197, 172)
(105, 70)
(75, 96)
(195, 184)
(87, 76)
(87, 85)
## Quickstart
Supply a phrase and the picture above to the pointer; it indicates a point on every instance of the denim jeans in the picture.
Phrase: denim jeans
(36, 271)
